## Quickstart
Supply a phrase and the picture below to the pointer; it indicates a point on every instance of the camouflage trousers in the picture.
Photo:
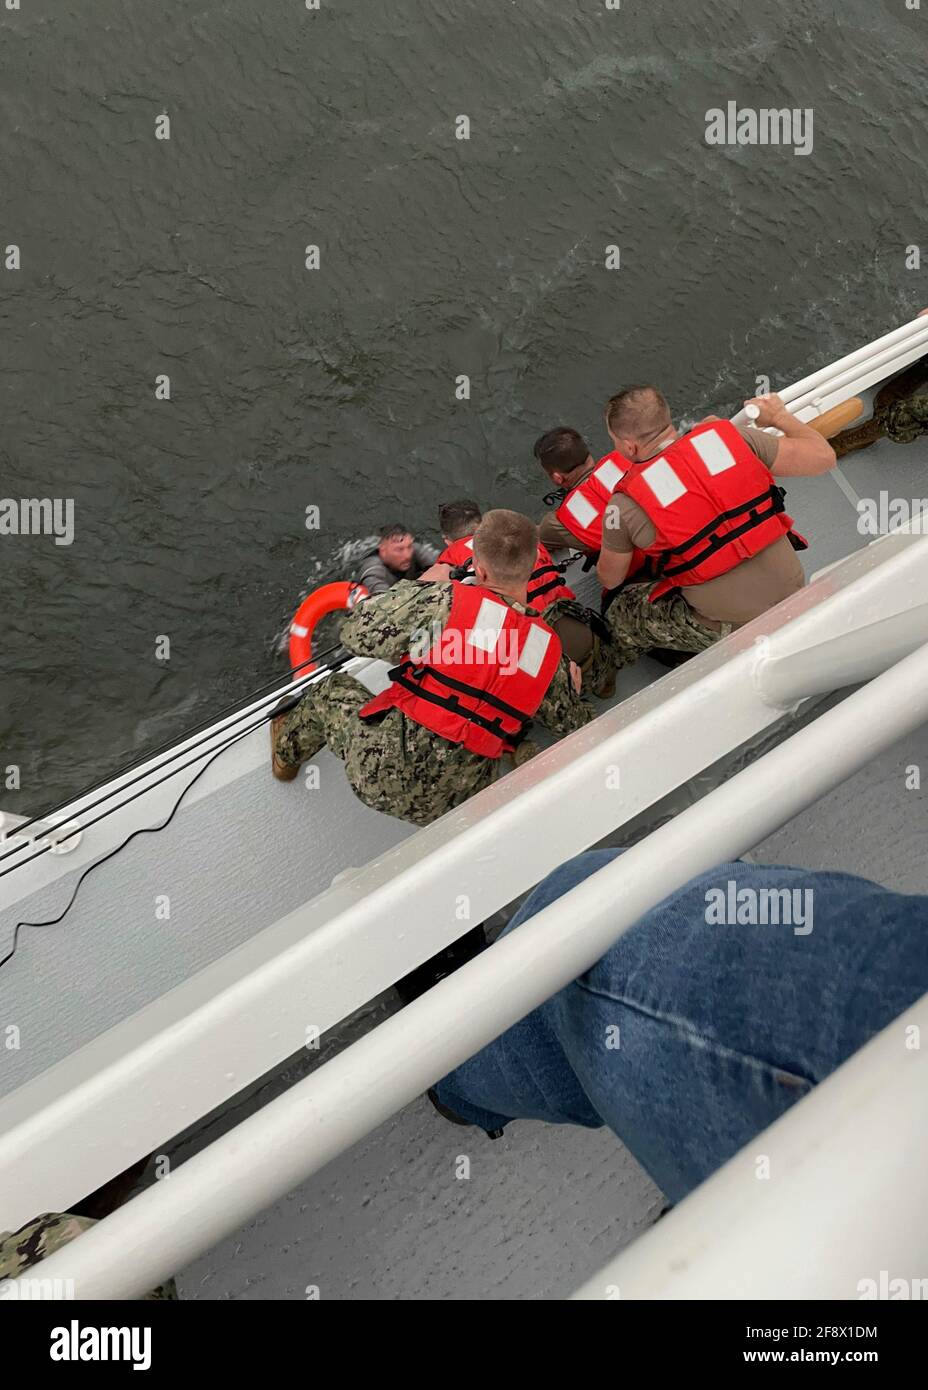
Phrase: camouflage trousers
(637, 624)
(20, 1250)
(392, 764)
(595, 654)
(900, 413)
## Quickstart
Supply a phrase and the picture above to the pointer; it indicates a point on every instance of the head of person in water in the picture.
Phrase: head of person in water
(505, 547)
(639, 422)
(396, 547)
(458, 519)
(564, 455)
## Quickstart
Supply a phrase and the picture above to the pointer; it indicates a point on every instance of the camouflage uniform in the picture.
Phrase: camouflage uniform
(20, 1250)
(600, 665)
(637, 624)
(900, 413)
(906, 421)
(393, 764)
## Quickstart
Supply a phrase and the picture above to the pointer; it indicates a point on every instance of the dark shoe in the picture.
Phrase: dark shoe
(284, 772)
(454, 1119)
(606, 688)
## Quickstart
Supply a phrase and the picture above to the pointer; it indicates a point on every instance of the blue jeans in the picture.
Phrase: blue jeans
(694, 1032)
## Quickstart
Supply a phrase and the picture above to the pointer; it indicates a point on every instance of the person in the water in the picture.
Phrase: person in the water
(396, 556)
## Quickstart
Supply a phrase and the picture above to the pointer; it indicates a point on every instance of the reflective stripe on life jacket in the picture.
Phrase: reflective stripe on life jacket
(482, 679)
(545, 583)
(712, 502)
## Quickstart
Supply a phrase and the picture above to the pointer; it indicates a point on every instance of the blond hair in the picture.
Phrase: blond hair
(506, 545)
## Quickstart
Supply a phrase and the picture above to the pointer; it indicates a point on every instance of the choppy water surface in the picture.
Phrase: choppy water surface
(439, 257)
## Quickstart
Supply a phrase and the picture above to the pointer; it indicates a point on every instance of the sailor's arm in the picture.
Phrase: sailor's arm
(382, 628)
(802, 451)
(615, 557)
(612, 567)
(563, 709)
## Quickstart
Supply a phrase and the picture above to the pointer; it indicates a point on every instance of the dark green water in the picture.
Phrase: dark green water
(335, 388)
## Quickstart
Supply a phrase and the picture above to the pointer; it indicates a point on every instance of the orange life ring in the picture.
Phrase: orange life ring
(329, 599)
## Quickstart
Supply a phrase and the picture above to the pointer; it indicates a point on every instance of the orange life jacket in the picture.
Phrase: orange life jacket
(544, 585)
(482, 679)
(712, 502)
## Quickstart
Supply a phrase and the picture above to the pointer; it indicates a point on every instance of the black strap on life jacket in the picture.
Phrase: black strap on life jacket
(535, 591)
(557, 578)
(410, 677)
(759, 509)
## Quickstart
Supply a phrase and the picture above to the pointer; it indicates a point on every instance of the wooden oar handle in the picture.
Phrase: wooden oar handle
(836, 419)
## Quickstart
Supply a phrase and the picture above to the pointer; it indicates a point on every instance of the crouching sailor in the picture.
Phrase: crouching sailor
(475, 666)
(583, 489)
(582, 633)
(704, 507)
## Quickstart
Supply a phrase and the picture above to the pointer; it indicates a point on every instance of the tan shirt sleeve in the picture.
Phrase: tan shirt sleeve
(764, 445)
(625, 525)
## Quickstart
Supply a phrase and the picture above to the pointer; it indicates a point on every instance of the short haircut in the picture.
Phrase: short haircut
(394, 532)
(458, 519)
(561, 450)
(506, 544)
(638, 412)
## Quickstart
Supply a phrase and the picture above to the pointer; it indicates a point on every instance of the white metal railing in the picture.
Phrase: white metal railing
(844, 660)
(164, 1228)
(815, 394)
